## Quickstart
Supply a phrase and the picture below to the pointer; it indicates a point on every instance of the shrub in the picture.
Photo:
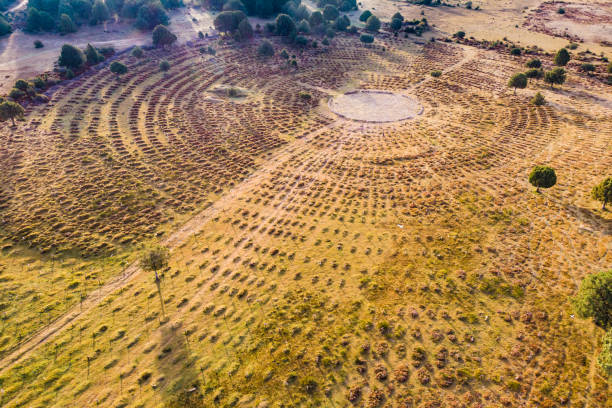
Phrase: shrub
(285, 26)
(365, 15)
(610, 68)
(459, 34)
(330, 12)
(16, 94)
(534, 63)
(534, 73)
(39, 82)
(342, 23)
(245, 30)
(316, 19)
(164, 65)
(395, 24)
(397, 16)
(538, 100)
(373, 24)
(436, 74)
(603, 191)
(69, 74)
(71, 57)
(605, 356)
(156, 258)
(366, 38)
(586, 67)
(561, 10)
(21, 84)
(542, 177)
(38, 44)
(303, 27)
(92, 55)
(515, 51)
(118, 68)
(137, 52)
(556, 76)
(562, 57)
(265, 49)
(162, 36)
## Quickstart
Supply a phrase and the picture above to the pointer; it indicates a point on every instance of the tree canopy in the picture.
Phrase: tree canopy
(11, 110)
(365, 15)
(228, 21)
(265, 49)
(373, 24)
(603, 191)
(562, 57)
(118, 68)
(5, 27)
(162, 36)
(542, 177)
(71, 57)
(594, 299)
(556, 76)
(518, 80)
(605, 356)
(154, 259)
(285, 26)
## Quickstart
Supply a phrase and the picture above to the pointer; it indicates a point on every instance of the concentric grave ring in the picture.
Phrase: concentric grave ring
(375, 106)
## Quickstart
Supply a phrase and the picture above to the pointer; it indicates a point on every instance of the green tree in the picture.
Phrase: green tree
(556, 76)
(534, 63)
(11, 110)
(534, 73)
(603, 192)
(21, 84)
(594, 299)
(92, 55)
(316, 18)
(342, 23)
(99, 12)
(234, 5)
(66, 25)
(396, 24)
(285, 26)
(518, 80)
(265, 49)
(459, 34)
(538, 99)
(245, 29)
(373, 24)
(71, 57)
(118, 68)
(5, 27)
(137, 52)
(365, 15)
(366, 38)
(164, 65)
(228, 21)
(562, 57)
(605, 356)
(154, 260)
(398, 16)
(542, 177)
(150, 15)
(303, 27)
(162, 36)
(330, 12)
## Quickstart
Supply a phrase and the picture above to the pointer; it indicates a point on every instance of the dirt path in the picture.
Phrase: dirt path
(191, 227)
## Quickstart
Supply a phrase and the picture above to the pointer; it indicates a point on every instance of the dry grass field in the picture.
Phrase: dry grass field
(315, 261)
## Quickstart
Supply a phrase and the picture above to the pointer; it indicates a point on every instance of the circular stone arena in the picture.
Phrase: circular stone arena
(375, 106)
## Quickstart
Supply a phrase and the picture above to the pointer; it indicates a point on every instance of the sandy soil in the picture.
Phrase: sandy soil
(588, 22)
(494, 21)
(375, 106)
(19, 58)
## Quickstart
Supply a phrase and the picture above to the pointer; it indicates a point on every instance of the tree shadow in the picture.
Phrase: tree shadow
(594, 221)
